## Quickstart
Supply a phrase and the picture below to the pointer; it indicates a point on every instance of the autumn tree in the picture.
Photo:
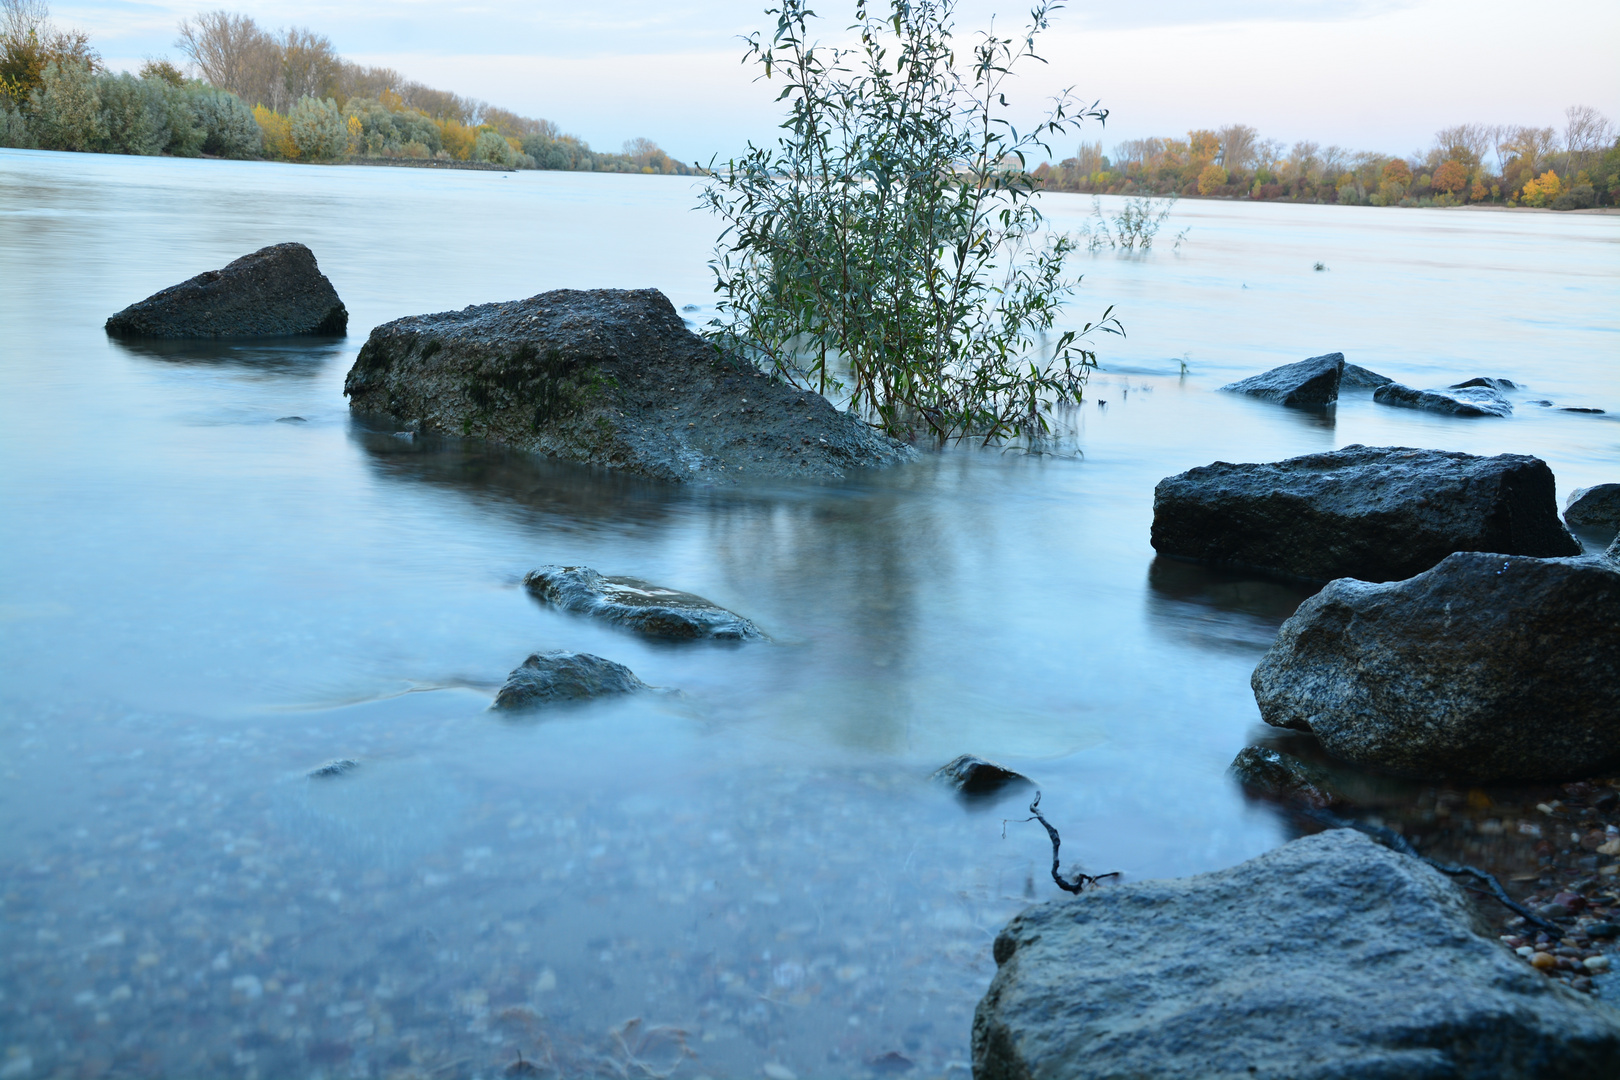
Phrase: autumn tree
(1451, 176)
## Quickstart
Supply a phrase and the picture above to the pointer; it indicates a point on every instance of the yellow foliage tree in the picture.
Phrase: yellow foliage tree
(278, 140)
(1542, 190)
(357, 134)
(459, 139)
(1211, 178)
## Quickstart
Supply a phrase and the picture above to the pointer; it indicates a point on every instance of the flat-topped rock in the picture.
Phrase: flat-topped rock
(276, 291)
(557, 677)
(1329, 958)
(607, 377)
(637, 605)
(1375, 513)
(1474, 398)
(1312, 383)
(1486, 667)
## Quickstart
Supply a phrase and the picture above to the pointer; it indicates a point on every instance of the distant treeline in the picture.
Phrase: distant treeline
(1572, 169)
(282, 96)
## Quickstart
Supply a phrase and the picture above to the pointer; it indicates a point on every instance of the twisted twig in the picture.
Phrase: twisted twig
(1081, 879)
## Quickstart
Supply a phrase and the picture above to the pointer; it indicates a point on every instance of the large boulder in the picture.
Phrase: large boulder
(608, 377)
(277, 291)
(1312, 383)
(1486, 667)
(1375, 513)
(1464, 399)
(1594, 507)
(1330, 957)
(553, 678)
(638, 605)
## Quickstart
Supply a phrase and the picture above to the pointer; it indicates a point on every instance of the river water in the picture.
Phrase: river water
(201, 599)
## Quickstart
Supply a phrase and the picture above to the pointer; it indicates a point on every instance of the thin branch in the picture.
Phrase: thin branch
(1081, 879)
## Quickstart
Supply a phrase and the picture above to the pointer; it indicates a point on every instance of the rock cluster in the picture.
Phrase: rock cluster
(276, 291)
(1474, 398)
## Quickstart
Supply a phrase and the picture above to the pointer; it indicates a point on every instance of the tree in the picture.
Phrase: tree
(1397, 172)
(230, 51)
(889, 237)
(65, 109)
(1587, 133)
(1451, 176)
(318, 129)
(1211, 178)
(1239, 143)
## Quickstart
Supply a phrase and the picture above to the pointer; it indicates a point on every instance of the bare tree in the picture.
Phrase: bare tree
(228, 50)
(1306, 162)
(1088, 158)
(1335, 162)
(309, 66)
(20, 18)
(1587, 134)
(1238, 145)
(1528, 144)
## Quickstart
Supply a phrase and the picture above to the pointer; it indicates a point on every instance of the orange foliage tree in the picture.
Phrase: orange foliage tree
(1450, 176)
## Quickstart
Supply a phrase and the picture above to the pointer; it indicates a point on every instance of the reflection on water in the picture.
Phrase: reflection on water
(200, 605)
(306, 355)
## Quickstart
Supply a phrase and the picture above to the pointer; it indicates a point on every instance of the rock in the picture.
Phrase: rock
(335, 767)
(1330, 957)
(1594, 507)
(275, 292)
(607, 377)
(291, 420)
(969, 775)
(1375, 513)
(1362, 379)
(1483, 668)
(1312, 383)
(550, 678)
(1469, 401)
(1274, 775)
(638, 605)
(1493, 384)
(1581, 409)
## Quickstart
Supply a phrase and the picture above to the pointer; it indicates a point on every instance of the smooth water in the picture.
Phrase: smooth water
(201, 599)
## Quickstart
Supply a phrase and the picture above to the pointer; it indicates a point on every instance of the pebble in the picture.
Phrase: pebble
(1596, 964)
(1543, 961)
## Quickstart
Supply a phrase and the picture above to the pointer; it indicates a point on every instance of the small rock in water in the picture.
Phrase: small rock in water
(550, 678)
(1275, 775)
(1490, 384)
(1596, 507)
(291, 420)
(969, 775)
(639, 605)
(335, 767)
(1471, 401)
(1312, 383)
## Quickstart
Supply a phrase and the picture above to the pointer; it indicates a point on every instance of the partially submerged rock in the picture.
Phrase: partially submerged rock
(1312, 383)
(637, 605)
(552, 678)
(1486, 667)
(1375, 513)
(1362, 379)
(607, 377)
(274, 292)
(1465, 399)
(1283, 778)
(335, 767)
(1330, 957)
(1488, 383)
(1595, 507)
(973, 776)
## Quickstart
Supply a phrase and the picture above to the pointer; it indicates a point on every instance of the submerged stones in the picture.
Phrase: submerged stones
(1283, 778)
(276, 291)
(637, 605)
(1375, 513)
(556, 677)
(335, 767)
(1328, 957)
(608, 377)
(974, 777)
(1486, 667)
(1312, 383)
(1594, 507)
(1477, 397)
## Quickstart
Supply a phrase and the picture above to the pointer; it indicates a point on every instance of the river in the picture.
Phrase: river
(202, 598)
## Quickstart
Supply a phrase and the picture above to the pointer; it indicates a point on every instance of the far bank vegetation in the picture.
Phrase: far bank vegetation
(1572, 167)
(249, 92)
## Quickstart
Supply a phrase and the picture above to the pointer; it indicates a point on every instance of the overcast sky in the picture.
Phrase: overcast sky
(1364, 74)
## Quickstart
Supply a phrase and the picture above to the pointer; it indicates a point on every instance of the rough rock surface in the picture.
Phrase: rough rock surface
(276, 291)
(1312, 383)
(1375, 513)
(638, 605)
(1330, 957)
(969, 775)
(1285, 778)
(607, 377)
(1594, 507)
(1488, 383)
(1363, 379)
(550, 678)
(1486, 667)
(1461, 400)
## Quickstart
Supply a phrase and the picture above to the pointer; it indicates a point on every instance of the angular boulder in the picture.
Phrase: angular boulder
(551, 678)
(1329, 957)
(976, 777)
(277, 291)
(1363, 379)
(607, 377)
(637, 605)
(1311, 384)
(1487, 667)
(1375, 513)
(1461, 400)
(1595, 507)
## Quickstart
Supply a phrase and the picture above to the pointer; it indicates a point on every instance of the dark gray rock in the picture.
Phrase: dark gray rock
(1489, 384)
(551, 678)
(1330, 958)
(1362, 379)
(607, 377)
(1594, 507)
(1471, 401)
(1375, 513)
(1284, 778)
(972, 776)
(277, 291)
(1486, 667)
(335, 767)
(1581, 409)
(1312, 383)
(637, 605)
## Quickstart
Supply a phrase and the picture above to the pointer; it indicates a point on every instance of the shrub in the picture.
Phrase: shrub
(228, 126)
(491, 147)
(64, 112)
(1541, 190)
(1579, 197)
(275, 134)
(318, 129)
(14, 131)
(132, 120)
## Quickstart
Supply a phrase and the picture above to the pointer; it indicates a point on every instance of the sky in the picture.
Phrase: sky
(1363, 74)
